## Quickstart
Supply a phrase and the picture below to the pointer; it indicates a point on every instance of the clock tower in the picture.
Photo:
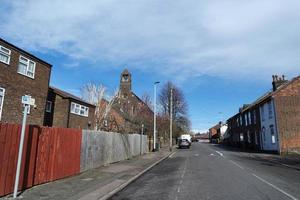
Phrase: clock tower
(125, 84)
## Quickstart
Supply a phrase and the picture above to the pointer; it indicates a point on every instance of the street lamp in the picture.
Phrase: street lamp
(171, 118)
(154, 124)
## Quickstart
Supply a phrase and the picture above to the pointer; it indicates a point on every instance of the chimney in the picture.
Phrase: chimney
(278, 81)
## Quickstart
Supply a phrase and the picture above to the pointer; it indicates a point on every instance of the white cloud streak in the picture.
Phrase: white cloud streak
(182, 38)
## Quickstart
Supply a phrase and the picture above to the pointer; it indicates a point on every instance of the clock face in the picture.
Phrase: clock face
(125, 78)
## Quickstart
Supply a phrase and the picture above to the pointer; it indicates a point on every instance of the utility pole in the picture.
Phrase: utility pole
(171, 117)
(154, 128)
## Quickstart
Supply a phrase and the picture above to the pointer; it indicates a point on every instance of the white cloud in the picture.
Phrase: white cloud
(181, 38)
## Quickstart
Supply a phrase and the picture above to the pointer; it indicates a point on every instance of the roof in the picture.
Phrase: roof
(67, 95)
(25, 52)
(270, 94)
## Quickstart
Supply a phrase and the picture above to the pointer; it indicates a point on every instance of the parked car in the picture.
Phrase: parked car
(183, 143)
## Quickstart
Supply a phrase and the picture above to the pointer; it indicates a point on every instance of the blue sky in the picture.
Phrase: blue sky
(222, 54)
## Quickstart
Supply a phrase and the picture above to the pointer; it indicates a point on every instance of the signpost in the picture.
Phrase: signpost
(27, 101)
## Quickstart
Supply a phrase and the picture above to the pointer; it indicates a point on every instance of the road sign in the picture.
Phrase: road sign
(28, 100)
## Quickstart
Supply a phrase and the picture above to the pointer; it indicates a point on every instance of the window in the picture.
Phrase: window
(249, 117)
(48, 106)
(248, 137)
(2, 92)
(79, 109)
(256, 137)
(241, 137)
(4, 55)
(263, 113)
(272, 134)
(241, 120)
(254, 116)
(246, 120)
(263, 130)
(26, 67)
(270, 110)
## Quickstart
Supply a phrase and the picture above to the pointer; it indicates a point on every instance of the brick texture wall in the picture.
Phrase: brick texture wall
(16, 85)
(287, 102)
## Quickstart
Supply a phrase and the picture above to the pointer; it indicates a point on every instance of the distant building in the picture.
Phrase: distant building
(271, 123)
(216, 133)
(128, 111)
(22, 73)
(66, 110)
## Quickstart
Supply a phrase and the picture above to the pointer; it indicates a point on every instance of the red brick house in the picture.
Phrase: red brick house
(66, 110)
(271, 123)
(22, 73)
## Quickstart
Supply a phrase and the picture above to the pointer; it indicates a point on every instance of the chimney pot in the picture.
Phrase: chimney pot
(283, 77)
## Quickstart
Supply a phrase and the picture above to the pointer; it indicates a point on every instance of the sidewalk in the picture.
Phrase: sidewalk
(98, 183)
(291, 161)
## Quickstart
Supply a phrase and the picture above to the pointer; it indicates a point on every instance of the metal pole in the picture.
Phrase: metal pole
(142, 139)
(171, 117)
(20, 151)
(154, 124)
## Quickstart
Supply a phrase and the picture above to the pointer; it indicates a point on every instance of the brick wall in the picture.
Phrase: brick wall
(81, 122)
(16, 85)
(287, 102)
(60, 112)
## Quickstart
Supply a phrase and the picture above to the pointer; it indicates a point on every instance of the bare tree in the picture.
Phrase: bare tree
(95, 94)
(180, 109)
(146, 98)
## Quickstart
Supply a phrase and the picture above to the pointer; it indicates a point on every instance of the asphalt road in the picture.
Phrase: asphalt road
(208, 171)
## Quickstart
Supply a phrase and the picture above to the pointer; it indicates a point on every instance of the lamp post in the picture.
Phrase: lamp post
(154, 124)
(171, 118)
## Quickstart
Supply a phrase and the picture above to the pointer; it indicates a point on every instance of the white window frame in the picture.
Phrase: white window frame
(270, 110)
(2, 51)
(249, 118)
(248, 137)
(49, 110)
(1, 103)
(77, 108)
(272, 133)
(27, 66)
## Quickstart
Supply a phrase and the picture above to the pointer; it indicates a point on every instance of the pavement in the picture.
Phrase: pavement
(100, 183)
(208, 171)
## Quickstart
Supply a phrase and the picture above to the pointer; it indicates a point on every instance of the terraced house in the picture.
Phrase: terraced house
(22, 73)
(271, 123)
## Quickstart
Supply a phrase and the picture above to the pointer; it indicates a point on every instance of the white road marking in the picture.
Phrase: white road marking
(237, 164)
(275, 187)
(178, 189)
(170, 156)
(212, 154)
(221, 154)
(196, 154)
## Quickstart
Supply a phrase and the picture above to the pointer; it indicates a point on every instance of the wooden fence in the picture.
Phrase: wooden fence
(48, 154)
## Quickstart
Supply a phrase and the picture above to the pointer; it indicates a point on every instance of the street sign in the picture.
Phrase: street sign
(27, 100)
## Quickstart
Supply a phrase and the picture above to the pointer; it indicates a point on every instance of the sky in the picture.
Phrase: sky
(222, 54)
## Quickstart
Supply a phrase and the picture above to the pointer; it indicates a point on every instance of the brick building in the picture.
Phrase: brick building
(66, 110)
(271, 123)
(21, 73)
(128, 111)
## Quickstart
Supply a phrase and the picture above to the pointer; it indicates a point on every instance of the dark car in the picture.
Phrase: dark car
(183, 143)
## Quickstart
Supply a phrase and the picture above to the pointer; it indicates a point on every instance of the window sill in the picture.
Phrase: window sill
(4, 62)
(26, 75)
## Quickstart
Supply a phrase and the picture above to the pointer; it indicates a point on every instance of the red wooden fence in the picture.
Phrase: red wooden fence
(48, 154)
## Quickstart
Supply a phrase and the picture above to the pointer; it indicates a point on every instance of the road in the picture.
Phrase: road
(208, 171)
